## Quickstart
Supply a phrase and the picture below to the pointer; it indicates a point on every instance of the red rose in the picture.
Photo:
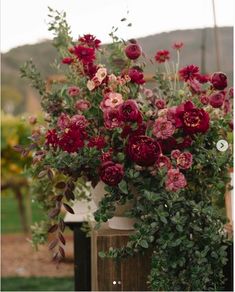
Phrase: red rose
(143, 150)
(136, 75)
(111, 173)
(217, 99)
(219, 80)
(133, 51)
(194, 120)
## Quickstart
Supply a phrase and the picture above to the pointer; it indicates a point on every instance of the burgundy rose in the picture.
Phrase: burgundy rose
(194, 120)
(133, 51)
(187, 142)
(106, 156)
(175, 153)
(160, 103)
(136, 75)
(219, 80)
(143, 150)
(217, 99)
(129, 111)
(111, 173)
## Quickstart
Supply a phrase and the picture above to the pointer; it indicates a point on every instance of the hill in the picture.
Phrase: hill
(43, 54)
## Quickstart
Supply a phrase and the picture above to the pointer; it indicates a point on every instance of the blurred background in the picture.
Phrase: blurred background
(204, 26)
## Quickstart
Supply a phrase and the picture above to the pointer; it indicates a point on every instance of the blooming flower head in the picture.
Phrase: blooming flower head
(178, 46)
(219, 80)
(79, 121)
(97, 142)
(82, 105)
(175, 153)
(112, 118)
(204, 99)
(216, 100)
(162, 56)
(133, 51)
(136, 75)
(63, 121)
(160, 103)
(71, 140)
(73, 91)
(189, 72)
(111, 100)
(90, 40)
(175, 180)
(163, 161)
(111, 173)
(52, 138)
(101, 74)
(129, 111)
(163, 128)
(184, 160)
(84, 54)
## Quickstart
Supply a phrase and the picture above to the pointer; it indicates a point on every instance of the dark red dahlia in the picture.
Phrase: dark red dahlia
(194, 120)
(71, 140)
(162, 56)
(189, 72)
(129, 111)
(143, 150)
(98, 142)
(219, 80)
(111, 173)
(90, 40)
(133, 51)
(84, 54)
(136, 75)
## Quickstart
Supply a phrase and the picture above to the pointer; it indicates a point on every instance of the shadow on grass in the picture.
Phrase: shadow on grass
(37, 284)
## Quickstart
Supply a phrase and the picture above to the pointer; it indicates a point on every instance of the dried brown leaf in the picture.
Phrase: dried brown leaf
(68, 208)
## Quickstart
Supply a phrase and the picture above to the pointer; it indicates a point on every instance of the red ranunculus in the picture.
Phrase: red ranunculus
(111, 173)
(133, 51)
(136, 75)
(90, 40)
(189, 72)
(162, 56)
(217, 99)
(84, 54)
(194, 120)
(219, 80)
(143, 150)
(129, 111)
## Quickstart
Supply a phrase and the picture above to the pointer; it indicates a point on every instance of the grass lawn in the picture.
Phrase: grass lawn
(10, 219)
(37, 284)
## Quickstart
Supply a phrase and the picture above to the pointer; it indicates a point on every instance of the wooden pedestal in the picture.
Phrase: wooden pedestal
(108, 275)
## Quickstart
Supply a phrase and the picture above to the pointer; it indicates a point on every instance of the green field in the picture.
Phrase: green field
(10, 219)
(37, 284)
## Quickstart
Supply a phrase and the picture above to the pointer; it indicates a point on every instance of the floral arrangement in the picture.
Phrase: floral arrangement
(104, 124)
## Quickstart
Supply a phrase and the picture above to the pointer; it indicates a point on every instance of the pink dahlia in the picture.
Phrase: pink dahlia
(184, 160)
(79, 121)
(175, 153)
(175, 180)
(163, 128)
(73, 91)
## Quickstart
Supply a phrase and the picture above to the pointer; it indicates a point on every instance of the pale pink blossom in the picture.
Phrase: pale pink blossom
(101, 74)
(91, 85)
(163, 128)
(175, 154)
(79, 121)
(175, 180)
(63, 121)
(111, 100)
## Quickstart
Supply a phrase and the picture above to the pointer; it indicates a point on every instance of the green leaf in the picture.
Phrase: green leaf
(123, 187)
(144, 243)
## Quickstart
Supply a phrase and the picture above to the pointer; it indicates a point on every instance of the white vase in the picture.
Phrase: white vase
(119, 220)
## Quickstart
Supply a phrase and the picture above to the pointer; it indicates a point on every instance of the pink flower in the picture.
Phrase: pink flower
(162, 56)
(160, 103)
(204, 99)
(163, 128)
(63, 121)
(79, 121)
(178, 46)
(189, 72)
(184, 160)
(82, 105)
(217, 99)
(175, 153)
(230, 92)
(67, 60)
(175, 180)
(163, 161)
(73, 91)
(136, 75)
(194, 85)
(111, 100)
(112, 118)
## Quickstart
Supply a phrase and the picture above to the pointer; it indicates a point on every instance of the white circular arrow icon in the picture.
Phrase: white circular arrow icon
(222, 145)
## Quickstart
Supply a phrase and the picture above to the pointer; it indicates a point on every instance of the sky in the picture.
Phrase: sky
(25, 21)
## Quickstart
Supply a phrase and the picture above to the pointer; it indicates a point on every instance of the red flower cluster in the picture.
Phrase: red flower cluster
(90, 41)
(162, 56)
